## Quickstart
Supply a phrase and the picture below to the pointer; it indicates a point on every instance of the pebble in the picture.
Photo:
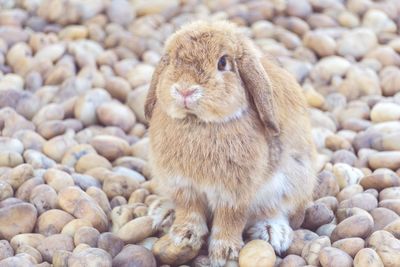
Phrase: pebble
(17, 219)
(378, 21)
(116, 114)
(134, 255)
(382, 112)
(89, 209)
(357, 42)
(330, 256)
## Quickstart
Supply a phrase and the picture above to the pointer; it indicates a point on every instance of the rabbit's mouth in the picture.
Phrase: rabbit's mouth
(186, 97)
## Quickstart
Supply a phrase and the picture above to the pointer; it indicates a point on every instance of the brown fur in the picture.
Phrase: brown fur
(212, 165)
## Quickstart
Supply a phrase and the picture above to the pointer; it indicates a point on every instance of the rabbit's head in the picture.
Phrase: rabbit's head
(212, 72)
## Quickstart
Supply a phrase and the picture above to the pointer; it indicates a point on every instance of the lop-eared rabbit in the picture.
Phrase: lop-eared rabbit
(230, 141)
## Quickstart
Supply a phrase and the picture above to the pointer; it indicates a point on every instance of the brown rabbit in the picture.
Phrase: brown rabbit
(230, 141)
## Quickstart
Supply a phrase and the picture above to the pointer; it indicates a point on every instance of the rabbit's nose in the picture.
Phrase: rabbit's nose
(186, 92)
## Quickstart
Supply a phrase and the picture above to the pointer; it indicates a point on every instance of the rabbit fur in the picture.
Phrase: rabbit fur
(236, 156)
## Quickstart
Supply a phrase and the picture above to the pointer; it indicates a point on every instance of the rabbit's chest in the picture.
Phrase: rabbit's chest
(223, 156)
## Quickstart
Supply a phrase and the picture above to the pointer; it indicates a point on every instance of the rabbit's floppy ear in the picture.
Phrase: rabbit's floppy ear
(151, 95)
(258, 84)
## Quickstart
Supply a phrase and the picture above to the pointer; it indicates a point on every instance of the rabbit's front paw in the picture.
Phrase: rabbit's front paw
(220, 251)
(276, 231)
(189, 234)
(162, 211)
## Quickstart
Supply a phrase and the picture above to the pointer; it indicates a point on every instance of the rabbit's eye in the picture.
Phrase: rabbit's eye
(222, 63)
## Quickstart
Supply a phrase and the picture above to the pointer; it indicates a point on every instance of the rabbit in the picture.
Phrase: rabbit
(230, 141)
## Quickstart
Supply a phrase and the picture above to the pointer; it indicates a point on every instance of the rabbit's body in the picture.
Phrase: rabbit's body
(233, 170)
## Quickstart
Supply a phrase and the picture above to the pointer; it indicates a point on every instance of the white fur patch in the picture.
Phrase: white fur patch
(276, 231)
(271, 193)
(218, 198)
(237, 115)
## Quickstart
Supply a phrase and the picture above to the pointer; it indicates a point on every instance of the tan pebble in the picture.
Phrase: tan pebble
(385, 112)
(110, 147)
(390, 193)
(331, 257)
(389, 159)
(350, 245)
(390, 80)
(118, 88)
(73, 32)
(50, 129)
(90, 161)
(345, 230)
(357, 42)
(380, 181)
(378, 21)
(322, 44)
(100, 197)
(361, 200)
(367, 257)
(17, 219)
(136, 255)
(51, 52)
(129, 232)
(89, 209)
(387, 247)
(116, 114)
(166, 252)
(52, 222)
(43, 197)
(382, 217)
